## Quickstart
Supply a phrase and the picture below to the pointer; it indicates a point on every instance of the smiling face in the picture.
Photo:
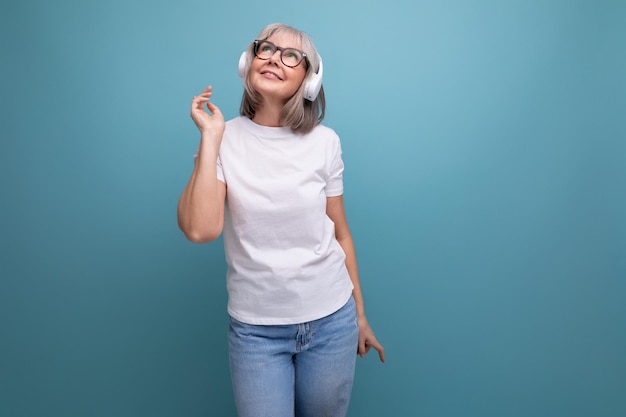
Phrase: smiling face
(271, 78)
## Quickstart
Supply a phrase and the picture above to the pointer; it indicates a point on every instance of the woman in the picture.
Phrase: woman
(271, 182)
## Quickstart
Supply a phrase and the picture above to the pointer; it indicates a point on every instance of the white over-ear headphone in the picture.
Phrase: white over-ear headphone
(311, 87)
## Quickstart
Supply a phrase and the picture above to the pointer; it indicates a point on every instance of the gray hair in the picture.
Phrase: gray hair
(298, 113)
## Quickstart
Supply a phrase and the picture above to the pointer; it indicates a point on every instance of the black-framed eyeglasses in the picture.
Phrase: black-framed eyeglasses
(291, 57)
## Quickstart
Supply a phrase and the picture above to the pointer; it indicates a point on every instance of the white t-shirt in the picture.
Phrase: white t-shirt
(285, 265)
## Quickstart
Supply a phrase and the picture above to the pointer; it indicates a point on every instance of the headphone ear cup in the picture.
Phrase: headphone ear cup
(243, 59)
(314, 84)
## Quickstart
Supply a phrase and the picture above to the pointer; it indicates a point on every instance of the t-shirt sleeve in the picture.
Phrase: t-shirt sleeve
(334, 185)
(220, 170)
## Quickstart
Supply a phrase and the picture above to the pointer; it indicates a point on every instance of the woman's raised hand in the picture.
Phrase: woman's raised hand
(212, 123)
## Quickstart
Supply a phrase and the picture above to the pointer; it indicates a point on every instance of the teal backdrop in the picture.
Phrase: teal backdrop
(485, 152)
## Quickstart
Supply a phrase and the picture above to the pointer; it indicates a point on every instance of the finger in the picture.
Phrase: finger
(202, 97)
(361, 350)
(206, 93)
(380, 349)
(381, 354)
(213, 108)
(197, 103)
(364, 350)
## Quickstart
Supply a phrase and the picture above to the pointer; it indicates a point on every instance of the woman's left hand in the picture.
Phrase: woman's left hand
(367, 340)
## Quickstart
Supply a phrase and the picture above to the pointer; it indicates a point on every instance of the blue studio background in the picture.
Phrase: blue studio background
(485, 151)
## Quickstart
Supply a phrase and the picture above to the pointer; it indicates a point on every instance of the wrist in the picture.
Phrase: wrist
(211, 133)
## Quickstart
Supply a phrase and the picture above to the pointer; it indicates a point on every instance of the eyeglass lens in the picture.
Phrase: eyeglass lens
(291, 57)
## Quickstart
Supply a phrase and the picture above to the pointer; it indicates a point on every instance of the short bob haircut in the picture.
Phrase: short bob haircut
(298, 113)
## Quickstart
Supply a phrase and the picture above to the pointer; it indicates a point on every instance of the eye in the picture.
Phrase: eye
(292, 56)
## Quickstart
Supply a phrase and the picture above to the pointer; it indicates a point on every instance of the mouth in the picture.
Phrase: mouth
(270, 74)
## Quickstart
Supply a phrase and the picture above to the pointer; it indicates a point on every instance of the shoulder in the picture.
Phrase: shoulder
(324, 133)
(235, 127)
(235, 122)
(326, 140)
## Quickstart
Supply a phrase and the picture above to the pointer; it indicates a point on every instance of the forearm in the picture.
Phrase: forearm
(367, 339)
(347, 245)
(201, 205)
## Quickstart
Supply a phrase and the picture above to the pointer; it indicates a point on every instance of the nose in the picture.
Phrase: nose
(275, 58)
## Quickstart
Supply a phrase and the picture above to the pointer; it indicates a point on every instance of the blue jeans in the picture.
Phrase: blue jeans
(303, 370)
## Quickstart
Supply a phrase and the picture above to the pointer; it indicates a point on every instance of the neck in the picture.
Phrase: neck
(268, 114)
